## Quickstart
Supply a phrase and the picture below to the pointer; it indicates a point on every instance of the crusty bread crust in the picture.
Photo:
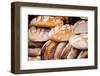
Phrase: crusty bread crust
(61, 33)
(47, 21)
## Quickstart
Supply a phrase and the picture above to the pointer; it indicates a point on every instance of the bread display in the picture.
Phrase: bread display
(55, 37)
(62, 50)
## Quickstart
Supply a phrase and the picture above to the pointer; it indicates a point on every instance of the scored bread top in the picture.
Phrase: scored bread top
(81, 27)
(61, 33)
(47, 21)
(79, 41)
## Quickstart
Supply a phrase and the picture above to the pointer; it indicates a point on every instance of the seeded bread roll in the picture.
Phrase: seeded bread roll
(47, 21)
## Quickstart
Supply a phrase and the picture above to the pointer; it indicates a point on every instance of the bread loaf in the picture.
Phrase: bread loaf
(47, 21)
(81, 27)
(38, 34)
(79, 41)
(61, 33)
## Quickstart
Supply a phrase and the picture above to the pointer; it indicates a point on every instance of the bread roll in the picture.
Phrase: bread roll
(46, 21)
(61, 33)
(38, 34)
(79, 41)
(81, 27)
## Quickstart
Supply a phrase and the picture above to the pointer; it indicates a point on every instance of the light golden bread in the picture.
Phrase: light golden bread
(47, 49)
(61, 33)
(47, 21)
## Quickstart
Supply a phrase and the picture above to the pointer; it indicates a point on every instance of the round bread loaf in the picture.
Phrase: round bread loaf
(79, 41)
(61, 33)
(81, 27)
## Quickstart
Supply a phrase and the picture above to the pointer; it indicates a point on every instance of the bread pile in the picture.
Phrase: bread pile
(52, 37)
